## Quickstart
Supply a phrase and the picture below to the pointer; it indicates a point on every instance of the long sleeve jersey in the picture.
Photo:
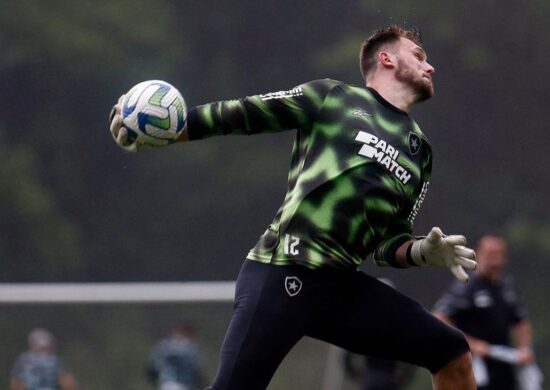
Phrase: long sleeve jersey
(359, 171)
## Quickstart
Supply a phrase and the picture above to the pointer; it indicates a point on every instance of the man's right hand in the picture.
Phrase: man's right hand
(118, 131)
(479, 347)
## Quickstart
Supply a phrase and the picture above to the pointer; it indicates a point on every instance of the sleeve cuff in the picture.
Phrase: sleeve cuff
(386, 254)
(194, 128)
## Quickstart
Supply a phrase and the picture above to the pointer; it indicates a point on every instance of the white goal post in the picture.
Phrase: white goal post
(81, 293)
(131, 292)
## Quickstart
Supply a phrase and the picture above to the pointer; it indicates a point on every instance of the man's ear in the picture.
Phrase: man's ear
(386, 59)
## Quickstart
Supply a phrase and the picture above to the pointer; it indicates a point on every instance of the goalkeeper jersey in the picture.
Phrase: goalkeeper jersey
(359, 171)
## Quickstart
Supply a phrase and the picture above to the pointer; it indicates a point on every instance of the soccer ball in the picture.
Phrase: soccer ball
(153, 113)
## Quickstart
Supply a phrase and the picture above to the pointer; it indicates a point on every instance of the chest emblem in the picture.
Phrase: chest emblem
(482, 299)
(415, 142)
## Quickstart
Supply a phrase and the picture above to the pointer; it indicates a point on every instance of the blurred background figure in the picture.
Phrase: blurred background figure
(174, 361)
(488, 311)
(378, 374)
(40, 368)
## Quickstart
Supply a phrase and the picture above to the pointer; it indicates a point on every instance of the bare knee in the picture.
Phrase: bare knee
(461, 365)
(457, 374)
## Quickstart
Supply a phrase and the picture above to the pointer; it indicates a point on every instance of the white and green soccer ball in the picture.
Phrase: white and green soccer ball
(154, 113)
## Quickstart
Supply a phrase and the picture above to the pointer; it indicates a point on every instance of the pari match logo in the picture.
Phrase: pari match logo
(385, 154)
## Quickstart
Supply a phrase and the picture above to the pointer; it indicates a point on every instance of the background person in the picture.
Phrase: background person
(40, 368)
(488, 311)
(174, 361)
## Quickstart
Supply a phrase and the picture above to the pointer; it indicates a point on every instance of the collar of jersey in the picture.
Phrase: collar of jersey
(384, 102)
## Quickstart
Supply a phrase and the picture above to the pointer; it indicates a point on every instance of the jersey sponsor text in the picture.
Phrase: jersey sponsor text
(384, 153)
(282, 94)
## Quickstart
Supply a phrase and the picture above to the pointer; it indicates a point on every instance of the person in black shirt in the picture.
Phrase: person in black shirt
(487, 310)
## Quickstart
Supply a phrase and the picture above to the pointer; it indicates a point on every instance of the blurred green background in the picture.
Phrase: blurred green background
(73, 207)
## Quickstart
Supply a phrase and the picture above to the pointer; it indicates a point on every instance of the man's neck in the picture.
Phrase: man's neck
(396, 93)
(493, 278)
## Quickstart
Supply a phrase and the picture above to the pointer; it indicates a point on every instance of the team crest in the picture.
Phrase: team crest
(293, 285)
(482, 299)
(415, 142)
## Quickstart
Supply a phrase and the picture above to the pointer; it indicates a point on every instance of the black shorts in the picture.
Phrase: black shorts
(502, 376)
(275, 306)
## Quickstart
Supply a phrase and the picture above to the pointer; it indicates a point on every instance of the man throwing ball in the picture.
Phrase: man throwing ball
(359, 172)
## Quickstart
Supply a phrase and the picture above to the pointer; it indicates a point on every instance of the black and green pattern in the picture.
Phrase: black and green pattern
(358, 174)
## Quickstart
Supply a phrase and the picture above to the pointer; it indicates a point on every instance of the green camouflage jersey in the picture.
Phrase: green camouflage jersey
(359, 171)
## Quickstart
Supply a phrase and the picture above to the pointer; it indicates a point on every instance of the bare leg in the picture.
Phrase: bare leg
(456, 375)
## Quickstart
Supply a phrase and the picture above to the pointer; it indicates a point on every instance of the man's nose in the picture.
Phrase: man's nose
(430, 69)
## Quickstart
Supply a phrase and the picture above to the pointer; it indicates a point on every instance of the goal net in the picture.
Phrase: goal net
(105, 331)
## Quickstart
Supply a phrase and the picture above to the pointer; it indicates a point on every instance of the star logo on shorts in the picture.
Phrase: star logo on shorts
(415, 142)
(293, 285)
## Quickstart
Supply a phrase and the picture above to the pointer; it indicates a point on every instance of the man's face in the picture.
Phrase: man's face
(491, 257)
(413, 69)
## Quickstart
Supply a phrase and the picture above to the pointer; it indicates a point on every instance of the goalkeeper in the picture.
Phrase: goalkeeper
(359, 172)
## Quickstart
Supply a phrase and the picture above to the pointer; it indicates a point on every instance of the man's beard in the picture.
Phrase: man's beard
(422, 87)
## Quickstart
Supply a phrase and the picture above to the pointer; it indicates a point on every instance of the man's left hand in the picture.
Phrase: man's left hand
(442, 251)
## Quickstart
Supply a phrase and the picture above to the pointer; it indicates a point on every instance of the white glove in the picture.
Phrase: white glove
(449, 252)
(118, 131)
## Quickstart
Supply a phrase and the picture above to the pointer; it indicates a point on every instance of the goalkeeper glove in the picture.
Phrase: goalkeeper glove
(119, 132)
(438, 250)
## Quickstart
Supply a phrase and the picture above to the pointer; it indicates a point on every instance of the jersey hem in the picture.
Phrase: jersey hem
(301, 262)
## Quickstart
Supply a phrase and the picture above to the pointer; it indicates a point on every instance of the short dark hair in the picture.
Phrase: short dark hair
(380, 37)
(183, 328)
(492, 235)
